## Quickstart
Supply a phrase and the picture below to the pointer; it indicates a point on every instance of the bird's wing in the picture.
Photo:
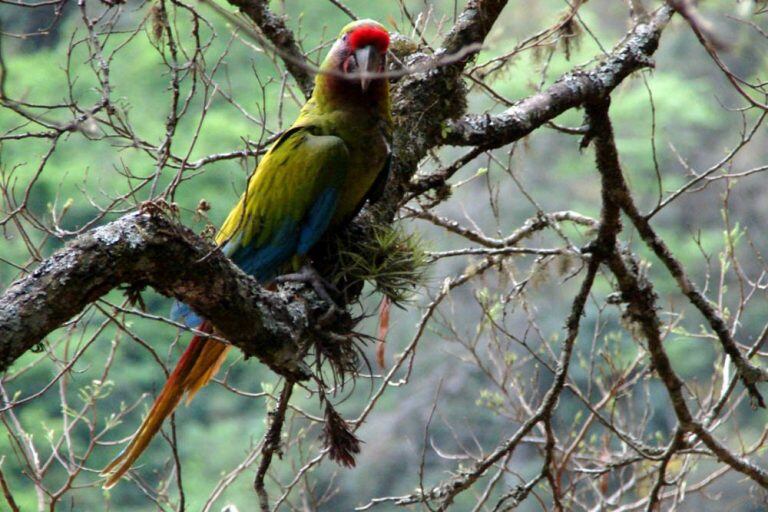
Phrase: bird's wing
(289, 202)
(290, 199)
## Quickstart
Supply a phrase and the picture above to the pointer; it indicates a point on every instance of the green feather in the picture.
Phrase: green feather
(333, 143)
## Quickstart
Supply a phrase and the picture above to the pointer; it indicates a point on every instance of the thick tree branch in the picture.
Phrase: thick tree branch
(571, 90)
(638, 292)
(423, 102)
(472, 27)
(147, 249)
(622, 198)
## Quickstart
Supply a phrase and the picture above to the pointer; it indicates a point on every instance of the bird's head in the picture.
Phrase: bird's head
(359, 52)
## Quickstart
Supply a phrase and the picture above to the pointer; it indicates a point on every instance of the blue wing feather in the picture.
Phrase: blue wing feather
(317, 220)
(264, 262)
(183, 314)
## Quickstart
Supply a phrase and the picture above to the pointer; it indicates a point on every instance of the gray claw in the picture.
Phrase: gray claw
(310, 276)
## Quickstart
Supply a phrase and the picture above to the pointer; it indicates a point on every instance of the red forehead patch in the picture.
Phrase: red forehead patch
(369, 35)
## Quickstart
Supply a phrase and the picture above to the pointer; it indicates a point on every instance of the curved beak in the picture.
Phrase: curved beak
(368, 61)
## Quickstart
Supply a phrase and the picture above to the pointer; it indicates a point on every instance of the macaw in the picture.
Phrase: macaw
(317, 175)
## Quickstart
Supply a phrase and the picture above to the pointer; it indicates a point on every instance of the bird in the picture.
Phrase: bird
(315, 177)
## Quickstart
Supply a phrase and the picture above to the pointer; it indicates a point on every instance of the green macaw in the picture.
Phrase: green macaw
(315, 176)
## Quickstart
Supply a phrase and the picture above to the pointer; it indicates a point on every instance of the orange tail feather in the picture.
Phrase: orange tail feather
(197, 365)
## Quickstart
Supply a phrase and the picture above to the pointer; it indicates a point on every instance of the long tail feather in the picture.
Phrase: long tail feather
(195, 368)
(208, 363)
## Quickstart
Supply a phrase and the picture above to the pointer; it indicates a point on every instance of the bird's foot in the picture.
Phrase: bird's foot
(307, 274)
